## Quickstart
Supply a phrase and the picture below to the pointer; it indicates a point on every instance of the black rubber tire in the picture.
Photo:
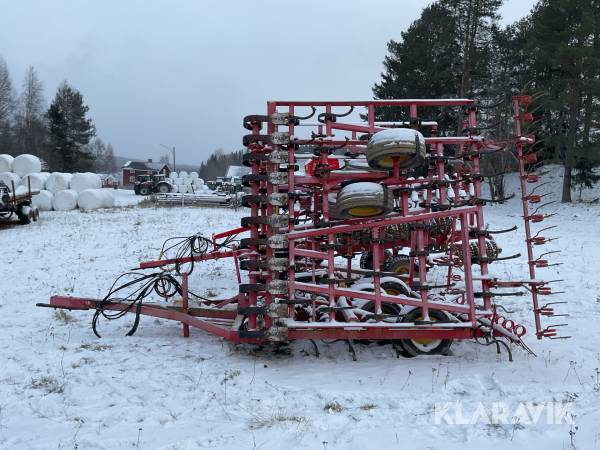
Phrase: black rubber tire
(259, 139)
(399, 264)
(247, 180)
(395, 288)
(438, 346)
(163, 188)
(379, 155)
(366, 259)
(249, 158)
(24, 219)
(368, 204)
(144, 191)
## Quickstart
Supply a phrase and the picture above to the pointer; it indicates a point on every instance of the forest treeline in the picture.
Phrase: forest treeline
(61, 134)
(457, 48)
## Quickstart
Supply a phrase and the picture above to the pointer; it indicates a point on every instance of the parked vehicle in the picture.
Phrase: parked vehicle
(19, 205)
(152, 184)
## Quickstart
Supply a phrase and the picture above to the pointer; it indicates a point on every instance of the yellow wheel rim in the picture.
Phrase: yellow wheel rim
(388, 161)
(424, 341)
(365, 211)
(401, 270)
(392, 291)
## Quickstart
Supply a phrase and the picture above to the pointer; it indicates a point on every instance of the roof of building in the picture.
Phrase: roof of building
(237, 171)
(141, 165)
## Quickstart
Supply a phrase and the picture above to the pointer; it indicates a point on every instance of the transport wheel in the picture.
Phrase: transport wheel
(395, 288)
(405, 144)
(366, 259)
(391, 288)
(426, 346)
(25, 215)
(400, 265)
(363, 200)
(36, 214)
(144, 190)
(164, 188)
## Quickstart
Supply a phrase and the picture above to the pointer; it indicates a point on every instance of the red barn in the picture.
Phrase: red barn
(132, 169)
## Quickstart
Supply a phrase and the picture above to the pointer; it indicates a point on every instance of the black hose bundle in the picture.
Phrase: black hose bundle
(190, 246)
(161, 283)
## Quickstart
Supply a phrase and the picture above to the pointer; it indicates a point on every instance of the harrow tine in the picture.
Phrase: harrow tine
(315, 346)
(352, 350)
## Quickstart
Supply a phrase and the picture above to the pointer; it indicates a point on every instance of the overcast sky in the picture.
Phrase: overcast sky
(184, 72)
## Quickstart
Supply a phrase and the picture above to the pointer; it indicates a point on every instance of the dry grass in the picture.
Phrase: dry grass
(48, 383)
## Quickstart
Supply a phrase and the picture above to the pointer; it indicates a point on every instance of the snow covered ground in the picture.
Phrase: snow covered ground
(61, 387)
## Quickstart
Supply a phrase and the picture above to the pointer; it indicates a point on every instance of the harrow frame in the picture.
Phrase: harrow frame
(296, 287)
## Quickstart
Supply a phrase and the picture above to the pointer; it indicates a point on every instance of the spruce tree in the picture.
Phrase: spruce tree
(70, 131)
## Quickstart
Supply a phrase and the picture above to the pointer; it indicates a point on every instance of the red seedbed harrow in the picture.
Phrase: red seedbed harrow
(359, 230)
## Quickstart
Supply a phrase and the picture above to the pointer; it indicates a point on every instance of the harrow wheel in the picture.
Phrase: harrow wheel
(366, 259)
(399, 265)
(426, 346)
(405, 145)
(363, 200)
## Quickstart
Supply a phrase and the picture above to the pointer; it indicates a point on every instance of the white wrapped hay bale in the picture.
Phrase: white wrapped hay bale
(182, 188)
(183, 174)
(187, 182)
(194, 175)
(90, 199)
(65, 200)
(8, 177)
(43, 200)
(26, 163)
(174, 175)
(58, 181)
(87, 180)
(6, 163)
(36, 180)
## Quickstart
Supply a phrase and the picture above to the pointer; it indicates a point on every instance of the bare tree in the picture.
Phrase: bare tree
(31, 130)
(7, 108)
(111, 162)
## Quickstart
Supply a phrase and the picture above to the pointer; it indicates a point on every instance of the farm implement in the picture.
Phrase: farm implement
(17, 204)
(359, 230)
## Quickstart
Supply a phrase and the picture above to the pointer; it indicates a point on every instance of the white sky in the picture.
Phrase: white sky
(185, 72)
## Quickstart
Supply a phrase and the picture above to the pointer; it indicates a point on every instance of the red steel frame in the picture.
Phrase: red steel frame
(267, 307)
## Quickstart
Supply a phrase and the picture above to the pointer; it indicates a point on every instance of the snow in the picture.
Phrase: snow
(394, 136)
(60, 387)
(363, 187)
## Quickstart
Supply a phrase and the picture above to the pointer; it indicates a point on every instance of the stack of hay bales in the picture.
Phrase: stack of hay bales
(58, 191)
(189, 182)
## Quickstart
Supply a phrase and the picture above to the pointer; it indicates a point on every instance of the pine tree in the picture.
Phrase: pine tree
(565, 47)
(70, 131)
(445, 53)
